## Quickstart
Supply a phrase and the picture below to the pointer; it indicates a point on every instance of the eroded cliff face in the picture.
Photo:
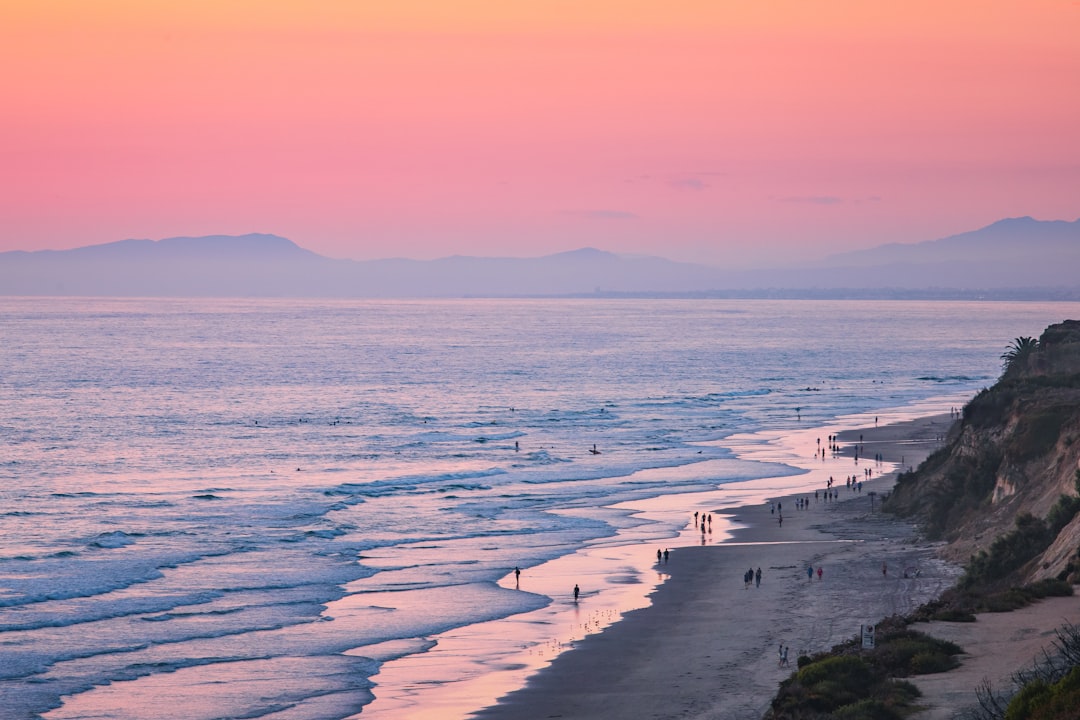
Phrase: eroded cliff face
(1015, 452)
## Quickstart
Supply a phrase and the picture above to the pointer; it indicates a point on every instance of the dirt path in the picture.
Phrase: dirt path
(995, 646)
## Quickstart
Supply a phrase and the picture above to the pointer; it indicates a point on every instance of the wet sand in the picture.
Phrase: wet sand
(707, 647)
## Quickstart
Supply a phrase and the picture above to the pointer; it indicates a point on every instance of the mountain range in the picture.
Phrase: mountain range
(1012, 258)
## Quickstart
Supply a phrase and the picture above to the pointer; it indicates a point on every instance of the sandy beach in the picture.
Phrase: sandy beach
(708, 645)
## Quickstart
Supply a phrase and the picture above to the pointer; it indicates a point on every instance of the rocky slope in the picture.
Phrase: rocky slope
(1010, 471)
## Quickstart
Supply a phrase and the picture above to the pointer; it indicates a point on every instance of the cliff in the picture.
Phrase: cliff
(1003, 491)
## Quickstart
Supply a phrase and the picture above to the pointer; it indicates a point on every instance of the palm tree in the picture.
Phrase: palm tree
(1018, 352)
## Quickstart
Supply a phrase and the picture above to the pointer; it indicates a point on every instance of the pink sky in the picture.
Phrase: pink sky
(714, 131)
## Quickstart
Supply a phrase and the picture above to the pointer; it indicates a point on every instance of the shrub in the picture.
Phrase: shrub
(1031, 695)
(1037, 433)
(1007, 601)
(1007, 553)
(843, 668)
(909, 652)
(989, 406)
(1040, 700)
(926, 663)
(1061, 514)
(866, 709)
(954, 615)
(1050, 587)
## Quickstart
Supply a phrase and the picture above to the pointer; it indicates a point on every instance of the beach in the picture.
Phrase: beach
(708, 645)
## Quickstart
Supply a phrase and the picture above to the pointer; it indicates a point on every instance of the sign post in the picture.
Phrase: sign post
(867, 632)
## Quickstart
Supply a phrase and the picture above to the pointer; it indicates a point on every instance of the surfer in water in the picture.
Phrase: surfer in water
(594, 451)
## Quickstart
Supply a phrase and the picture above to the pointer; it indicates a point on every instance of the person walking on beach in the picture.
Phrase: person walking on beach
(783, 658)
(757, 577)
(659, 555)
(819, 571)
(577, 591)
(517, 576)
(665, 554)
(809, 572)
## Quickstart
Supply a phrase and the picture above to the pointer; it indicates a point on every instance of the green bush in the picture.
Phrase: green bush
(1050, 587)
(1061, 514)
(904, 692)
(967, 483)
(1030, 696)
(1018, 597)
(989, 406)
(845, 668)
(866, 709)
(1039, 700)
(1008, 553)
(909, 652)
(927, 663)
(1037, 433)
(954, 615)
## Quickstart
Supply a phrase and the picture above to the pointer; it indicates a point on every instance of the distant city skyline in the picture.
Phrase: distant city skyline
(721, 133)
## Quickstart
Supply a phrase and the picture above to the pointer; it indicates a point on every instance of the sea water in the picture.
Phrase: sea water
(269, 508)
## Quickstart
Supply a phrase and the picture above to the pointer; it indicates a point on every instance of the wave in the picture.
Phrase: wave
(413, 484)
(113, 540)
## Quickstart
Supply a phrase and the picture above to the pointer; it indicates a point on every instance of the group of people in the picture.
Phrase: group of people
(750, 577)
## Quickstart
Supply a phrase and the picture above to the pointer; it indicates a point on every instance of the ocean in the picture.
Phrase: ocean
(301, 509)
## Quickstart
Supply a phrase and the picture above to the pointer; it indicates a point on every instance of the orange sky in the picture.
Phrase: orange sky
(723, 132)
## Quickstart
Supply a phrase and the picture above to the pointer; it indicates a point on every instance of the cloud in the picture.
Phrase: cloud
(813, 199)
(694, 181)
(829, 199)
(602, 214)
(688, 183)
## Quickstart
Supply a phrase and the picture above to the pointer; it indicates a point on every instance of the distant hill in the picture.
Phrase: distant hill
(1015, 252)
(1007, 239)
(1014, 258)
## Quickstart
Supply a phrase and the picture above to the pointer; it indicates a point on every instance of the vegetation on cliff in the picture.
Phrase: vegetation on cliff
(1005, 490)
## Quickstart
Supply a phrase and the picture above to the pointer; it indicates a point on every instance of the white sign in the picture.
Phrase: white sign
(867, 637)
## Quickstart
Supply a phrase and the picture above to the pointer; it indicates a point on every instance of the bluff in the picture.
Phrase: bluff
(1003, 490)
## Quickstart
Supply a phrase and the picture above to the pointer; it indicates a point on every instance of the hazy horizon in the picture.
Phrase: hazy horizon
(539, 253)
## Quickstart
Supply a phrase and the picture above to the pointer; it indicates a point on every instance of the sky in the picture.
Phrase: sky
(718, 131)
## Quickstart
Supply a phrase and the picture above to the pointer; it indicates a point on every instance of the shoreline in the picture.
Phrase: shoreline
(707, 646)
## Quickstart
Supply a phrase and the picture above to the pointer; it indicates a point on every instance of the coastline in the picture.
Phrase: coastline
(707, 646)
